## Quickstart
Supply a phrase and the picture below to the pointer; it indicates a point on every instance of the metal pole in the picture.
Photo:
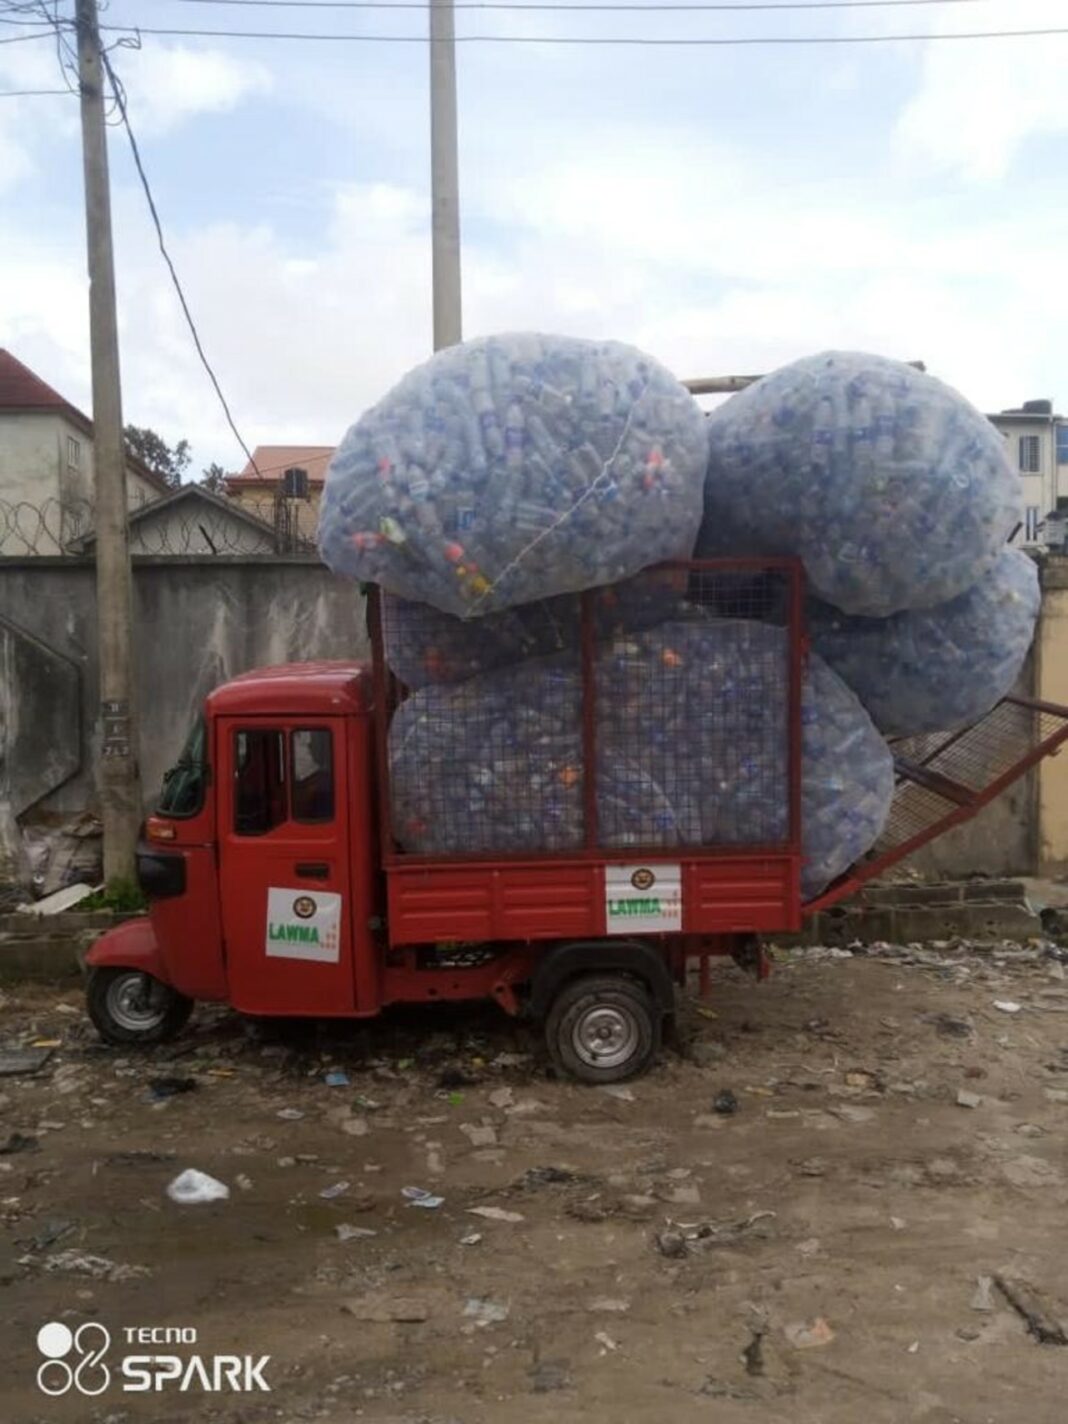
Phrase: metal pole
(444, 177)
(120, 790)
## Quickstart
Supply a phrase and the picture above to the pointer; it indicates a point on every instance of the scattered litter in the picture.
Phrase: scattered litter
(809, 1335)
(479, 1135)
(384, 1310)
(603, 1338)
(851, 1112)
(368, 1104)
(336, 1189)
(138, 1157)
(457, 1078)
(18, 1142)
(471, 1239)
(78, 1263)
(161, 1088)
(47, 1043)
(725, 1103)
(419, 1196)
(608, 1306)
(898, 1223)
(1026, 1301)
(191, 1187)
(535, 1177)
(982, 1299)
(355, 1126)
(949, 1026)
(616, 1090)
(50, 1232)
(549, 1375)
(244, 1182)
(687, 1194)
(1007, 1006)
(809, 1247)
(23, 1060)
(753, 1354)
(861, 1078)
(914, 1348)
(289, 1114)
(344, 1232)
(968, 1100)
(336, 1078)
(494, 1213)
(511, 1060)
(485, 1312)
(61, 900)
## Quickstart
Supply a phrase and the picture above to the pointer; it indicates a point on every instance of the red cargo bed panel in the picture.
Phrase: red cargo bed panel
(566, 899)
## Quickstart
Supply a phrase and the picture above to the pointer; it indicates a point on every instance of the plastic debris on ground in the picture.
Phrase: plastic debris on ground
(192, 1188)
(936, 669)
(515, 468)
(419, 1196)
(691, 736)
(894, 491)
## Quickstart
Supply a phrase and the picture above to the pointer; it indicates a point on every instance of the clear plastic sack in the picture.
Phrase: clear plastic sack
(691, 739)
(516, 468)
(893, 490)
(936, 669)
(424, 645)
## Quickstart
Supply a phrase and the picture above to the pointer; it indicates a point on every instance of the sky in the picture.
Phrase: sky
(726, 209)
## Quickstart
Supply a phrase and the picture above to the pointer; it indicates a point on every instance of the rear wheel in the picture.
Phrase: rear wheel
(602, 1028)
(129, 1006)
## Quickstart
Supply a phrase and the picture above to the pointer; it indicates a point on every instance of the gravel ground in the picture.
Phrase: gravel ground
(836, 1247)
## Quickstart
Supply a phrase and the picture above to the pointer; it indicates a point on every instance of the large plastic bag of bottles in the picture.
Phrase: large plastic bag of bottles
(691, 734)
(424, 645)
(515, 468)
(936, 669)
(893, 490)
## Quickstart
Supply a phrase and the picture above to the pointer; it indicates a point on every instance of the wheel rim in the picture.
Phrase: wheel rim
(606, 1036)
(137, 1002)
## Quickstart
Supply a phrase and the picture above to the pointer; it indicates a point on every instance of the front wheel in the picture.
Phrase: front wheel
(129, 1006)
(603, 1028)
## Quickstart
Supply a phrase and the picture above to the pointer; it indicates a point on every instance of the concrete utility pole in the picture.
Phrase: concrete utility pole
(120, 787)
(444, 179)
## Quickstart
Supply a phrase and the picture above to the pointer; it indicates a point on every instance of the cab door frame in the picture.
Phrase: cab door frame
(285, 867)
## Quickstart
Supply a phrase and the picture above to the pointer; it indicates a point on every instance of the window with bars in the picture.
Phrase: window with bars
(1030, 463)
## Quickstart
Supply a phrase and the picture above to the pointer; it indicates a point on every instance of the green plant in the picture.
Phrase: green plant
(122, 894)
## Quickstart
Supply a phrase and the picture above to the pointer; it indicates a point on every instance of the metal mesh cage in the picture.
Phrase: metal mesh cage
(654, 713)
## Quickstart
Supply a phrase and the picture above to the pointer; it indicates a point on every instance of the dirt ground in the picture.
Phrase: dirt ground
(814, 1256)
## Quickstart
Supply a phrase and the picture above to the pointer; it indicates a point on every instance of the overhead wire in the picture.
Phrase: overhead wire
(119, 94)
(561, 5)
(698, 41)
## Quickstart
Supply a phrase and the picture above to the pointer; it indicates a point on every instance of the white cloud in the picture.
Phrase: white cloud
(979, 101)
(169, 84)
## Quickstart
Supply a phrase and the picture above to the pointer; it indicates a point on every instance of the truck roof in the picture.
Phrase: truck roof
(315, 689)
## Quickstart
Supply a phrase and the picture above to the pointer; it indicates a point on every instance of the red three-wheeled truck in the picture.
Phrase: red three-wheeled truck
(279, 883)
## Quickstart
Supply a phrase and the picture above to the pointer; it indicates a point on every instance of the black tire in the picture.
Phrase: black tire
(607, 1017)
(128, 1006)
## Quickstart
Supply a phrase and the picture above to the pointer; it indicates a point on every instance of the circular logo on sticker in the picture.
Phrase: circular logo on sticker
(304, 907)
(643, 879)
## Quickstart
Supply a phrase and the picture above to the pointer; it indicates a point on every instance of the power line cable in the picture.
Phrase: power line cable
(120, 100)
(701, 41)
(698, 5)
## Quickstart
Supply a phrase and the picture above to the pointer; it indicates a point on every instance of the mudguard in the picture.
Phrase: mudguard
(131, 945)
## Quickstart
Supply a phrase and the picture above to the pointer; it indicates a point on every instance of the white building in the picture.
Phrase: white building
(46, 466)
(1037, 445)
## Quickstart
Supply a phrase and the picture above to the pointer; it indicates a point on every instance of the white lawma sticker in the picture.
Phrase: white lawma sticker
(303, 926)
(643, 897)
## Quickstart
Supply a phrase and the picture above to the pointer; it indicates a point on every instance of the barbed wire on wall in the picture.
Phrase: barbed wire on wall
(178, 528)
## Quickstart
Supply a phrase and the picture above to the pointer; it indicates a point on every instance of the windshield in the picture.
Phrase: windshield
(183, 785)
